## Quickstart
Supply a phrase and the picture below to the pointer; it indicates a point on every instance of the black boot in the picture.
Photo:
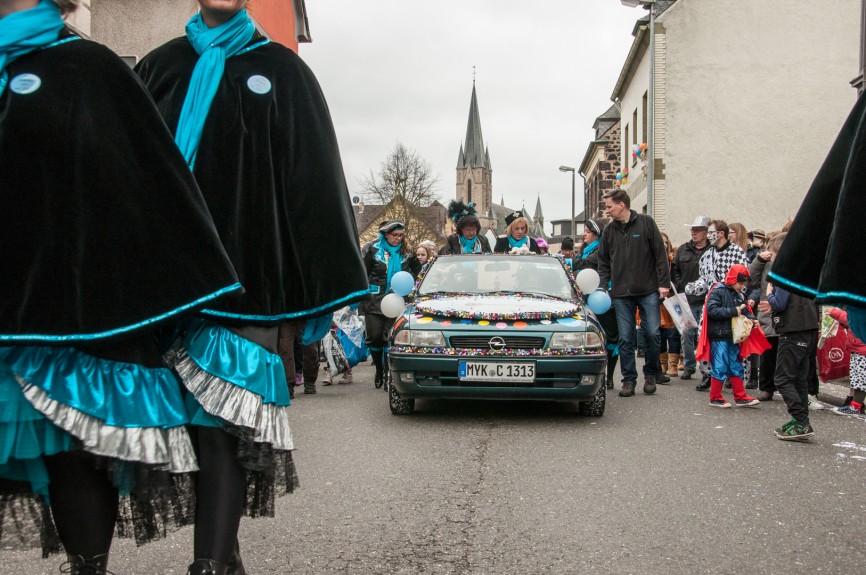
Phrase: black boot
(236, 564)
(78, 565)
(611, 367)
(377, 361)
(704, 385)
(207, 567)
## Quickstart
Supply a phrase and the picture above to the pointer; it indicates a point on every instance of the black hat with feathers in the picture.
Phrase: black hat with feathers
(462, 214)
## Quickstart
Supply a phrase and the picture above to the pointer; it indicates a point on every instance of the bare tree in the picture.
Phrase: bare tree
(405, 183)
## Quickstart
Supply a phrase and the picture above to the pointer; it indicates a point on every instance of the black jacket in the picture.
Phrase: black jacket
(377, 275)
(632, 256)
(800, 313)
(452, 245)
(721, 309)
(685, 268)
(502, 246)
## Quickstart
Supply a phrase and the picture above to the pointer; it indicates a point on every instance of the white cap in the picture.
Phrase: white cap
(700, 222)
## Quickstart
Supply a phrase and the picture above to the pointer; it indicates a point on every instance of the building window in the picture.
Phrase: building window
(468, 191)
(644, 119)
(634, 135)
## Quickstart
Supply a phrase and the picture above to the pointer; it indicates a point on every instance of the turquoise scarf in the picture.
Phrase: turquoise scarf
(27, 31)
(590, 248)
(468, 245)
(395, 258)
(512, 243)
(214, 46)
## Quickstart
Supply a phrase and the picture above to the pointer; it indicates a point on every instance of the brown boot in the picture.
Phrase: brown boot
(663, 360)
(673, 362)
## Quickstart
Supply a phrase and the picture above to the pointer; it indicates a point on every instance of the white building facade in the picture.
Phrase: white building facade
(747, 99)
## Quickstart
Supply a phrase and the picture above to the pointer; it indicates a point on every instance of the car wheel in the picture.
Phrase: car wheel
(595, 406)
(399, 405)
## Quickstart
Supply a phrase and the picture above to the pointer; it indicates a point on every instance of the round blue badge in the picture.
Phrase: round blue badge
(259, 84)
(25, 83)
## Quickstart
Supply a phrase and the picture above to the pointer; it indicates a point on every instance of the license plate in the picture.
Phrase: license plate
(496, 371)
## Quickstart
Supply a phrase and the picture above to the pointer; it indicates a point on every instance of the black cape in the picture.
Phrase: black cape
(822, 255)
(104, 233)
(269, 168)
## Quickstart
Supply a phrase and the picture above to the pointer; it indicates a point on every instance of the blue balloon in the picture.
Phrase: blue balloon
(402, 283)
(598, 302)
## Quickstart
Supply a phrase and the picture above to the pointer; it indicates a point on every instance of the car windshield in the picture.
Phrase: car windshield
(482, 274)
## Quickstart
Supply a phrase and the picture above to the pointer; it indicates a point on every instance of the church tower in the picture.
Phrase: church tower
(474, 174)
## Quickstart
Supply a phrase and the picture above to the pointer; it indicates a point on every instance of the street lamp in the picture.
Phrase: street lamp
(649, 5)
(569, 169)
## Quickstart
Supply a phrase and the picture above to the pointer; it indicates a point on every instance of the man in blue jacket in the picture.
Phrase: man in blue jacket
(633, 262)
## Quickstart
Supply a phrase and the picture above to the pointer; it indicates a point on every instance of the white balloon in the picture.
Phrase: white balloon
(587, 280)
(392, 305)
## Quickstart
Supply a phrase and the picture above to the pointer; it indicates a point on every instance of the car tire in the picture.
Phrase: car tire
(595, 406)
(399, 405)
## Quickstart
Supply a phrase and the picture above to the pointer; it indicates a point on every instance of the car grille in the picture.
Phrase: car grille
(483, 342)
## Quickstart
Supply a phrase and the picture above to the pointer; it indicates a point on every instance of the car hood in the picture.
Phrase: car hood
(496, 307)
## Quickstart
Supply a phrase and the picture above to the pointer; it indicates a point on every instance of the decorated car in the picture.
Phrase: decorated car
(497, 326)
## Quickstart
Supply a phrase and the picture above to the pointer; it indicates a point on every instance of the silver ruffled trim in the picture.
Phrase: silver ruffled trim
(168, 448)
(234, 404)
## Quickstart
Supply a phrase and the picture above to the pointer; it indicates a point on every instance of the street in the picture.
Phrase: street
(660, 484)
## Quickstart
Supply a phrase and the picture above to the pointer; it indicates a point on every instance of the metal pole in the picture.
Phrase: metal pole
(573, 232)
(652, 104)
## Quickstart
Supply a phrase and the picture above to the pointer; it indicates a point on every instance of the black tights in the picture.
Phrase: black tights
(83, 503)
(219, 494)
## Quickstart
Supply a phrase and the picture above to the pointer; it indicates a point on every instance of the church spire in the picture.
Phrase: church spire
(475, 153)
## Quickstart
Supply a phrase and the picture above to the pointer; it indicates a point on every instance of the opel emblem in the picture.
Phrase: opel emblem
(496, 343)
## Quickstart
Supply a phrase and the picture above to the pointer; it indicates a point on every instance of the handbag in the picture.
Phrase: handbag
(681, 313)
(741, 327)
(335, 357)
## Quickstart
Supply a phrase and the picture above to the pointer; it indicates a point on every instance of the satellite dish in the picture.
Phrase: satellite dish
(356, 199)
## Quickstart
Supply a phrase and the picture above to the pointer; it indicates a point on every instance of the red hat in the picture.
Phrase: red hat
(737, 273)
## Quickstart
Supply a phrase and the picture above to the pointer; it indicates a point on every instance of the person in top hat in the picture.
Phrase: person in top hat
(685, 269)
(756, 244)
(468, 238)
(515, 238)
(382, 259)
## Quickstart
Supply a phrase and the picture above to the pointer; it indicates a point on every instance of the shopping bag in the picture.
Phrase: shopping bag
(741, 327)
(681, 314)
(833, 357)
(355, 354)
(334, 354)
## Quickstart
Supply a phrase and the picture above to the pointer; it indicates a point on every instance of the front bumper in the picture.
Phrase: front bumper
(560, 378)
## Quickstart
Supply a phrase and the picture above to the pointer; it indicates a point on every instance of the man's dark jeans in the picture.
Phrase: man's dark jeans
(792, 371)
(650, 319)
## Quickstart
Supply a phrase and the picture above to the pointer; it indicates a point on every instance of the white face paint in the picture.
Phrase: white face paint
(712, 235)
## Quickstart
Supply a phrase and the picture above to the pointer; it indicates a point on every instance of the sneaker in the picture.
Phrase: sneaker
(765, 395)
(720, 403)
(346, 378)
(815, 405)
(627, 389)
(663, 379)
(326, 381)
(687, 374)
(784, 427)
(751, 402)
(299, 378)
(844, 410)
(649, 385)
(796, 432)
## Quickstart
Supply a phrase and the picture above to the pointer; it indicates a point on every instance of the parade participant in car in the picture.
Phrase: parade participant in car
(106, 238)
(467, 239)
(253, 125)
(382, 259)
(515, 237)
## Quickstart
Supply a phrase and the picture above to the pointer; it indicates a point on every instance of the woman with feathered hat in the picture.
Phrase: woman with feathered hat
(468, 239)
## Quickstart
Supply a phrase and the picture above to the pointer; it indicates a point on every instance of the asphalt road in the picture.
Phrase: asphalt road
(661, 484)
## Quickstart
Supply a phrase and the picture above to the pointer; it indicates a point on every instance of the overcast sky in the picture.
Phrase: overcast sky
(401, 70)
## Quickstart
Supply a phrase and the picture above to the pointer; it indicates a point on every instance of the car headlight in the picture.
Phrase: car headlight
(577, 339)
(419, 338)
